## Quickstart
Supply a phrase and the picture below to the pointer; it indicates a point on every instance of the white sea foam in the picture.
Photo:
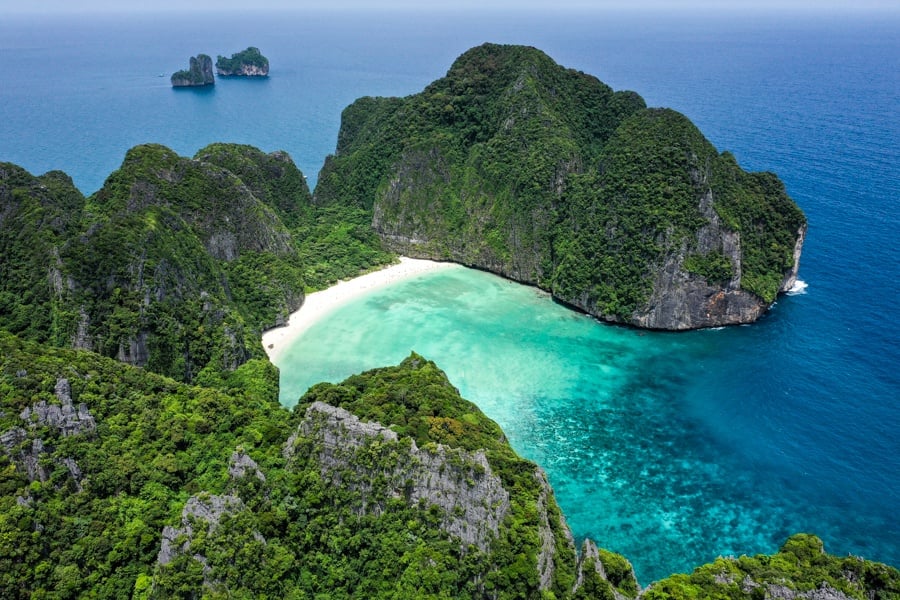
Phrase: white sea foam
(798, 288)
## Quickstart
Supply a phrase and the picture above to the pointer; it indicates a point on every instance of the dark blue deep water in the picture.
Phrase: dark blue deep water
(713, 442)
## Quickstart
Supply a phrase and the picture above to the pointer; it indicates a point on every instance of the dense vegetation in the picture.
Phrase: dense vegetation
(546, 175)
(90, 519)
(800, 568)
(174, 264)
(251, 57)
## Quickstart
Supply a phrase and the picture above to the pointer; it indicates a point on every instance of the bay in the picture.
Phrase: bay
(669, 448)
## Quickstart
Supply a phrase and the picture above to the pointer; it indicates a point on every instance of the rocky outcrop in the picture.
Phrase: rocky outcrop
(199, 74)
(240, 465)
(683, 300)
(30, 453)
(790, 276)
(549, 523)
(200, 513)
(592, 574)
(247, 63)
(373, 461)
(63, 417)
(781, 592)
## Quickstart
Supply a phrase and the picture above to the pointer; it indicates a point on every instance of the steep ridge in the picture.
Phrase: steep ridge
(545, 175)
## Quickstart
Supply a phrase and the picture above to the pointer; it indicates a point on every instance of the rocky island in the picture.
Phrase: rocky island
(247, 63)
(199, 73)
(542, 174)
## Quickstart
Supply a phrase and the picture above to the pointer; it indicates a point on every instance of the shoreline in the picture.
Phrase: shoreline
(319, 304)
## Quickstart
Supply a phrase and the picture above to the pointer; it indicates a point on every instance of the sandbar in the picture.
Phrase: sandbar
(319, 304)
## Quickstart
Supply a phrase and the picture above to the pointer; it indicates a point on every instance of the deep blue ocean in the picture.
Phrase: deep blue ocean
(670, 448)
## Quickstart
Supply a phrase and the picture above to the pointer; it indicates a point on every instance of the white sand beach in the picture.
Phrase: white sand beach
(319, 304)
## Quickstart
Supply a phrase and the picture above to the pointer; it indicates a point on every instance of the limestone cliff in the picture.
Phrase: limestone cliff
(199, 73)
(442, 455)
(472, 500)
(513, 164)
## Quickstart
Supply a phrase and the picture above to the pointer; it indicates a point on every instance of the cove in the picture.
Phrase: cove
(671, 449)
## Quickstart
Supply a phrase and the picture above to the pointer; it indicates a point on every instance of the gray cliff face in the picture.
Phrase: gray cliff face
(199, 513)
(682, 300)
(472, 498)
(240, 465)
(790, 276)
(63, 417)
(590, 566)
(202, 515)
(200, 73)
(420, 188)
(548, 523)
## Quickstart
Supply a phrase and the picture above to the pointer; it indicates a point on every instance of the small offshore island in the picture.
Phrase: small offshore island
(143, 450)
(247, 63)
(199, 74)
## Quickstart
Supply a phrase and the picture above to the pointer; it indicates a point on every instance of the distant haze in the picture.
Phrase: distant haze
(808, 6)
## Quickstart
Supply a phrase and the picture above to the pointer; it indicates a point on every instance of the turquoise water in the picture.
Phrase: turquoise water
(672, 449)
(647, 454)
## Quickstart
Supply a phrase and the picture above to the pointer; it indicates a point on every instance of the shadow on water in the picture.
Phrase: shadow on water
(205, 90)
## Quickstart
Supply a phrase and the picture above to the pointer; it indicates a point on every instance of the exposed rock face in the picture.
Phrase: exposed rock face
(241, 465)
(548, 523)
(683, 300)
(200, 73)
(592, 574)
(205, 512)
(472, 498)
(245, 71)
(826, 592)
(64, 416)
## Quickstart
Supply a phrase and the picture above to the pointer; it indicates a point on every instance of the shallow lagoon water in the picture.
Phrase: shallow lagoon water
(660, 446)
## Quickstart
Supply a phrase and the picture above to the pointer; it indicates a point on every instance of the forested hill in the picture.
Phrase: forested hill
(175, 264)
(543, 174)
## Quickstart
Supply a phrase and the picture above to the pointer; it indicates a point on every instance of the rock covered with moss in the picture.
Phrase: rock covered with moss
(199, 73)
(545, 175)
(247, 63)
